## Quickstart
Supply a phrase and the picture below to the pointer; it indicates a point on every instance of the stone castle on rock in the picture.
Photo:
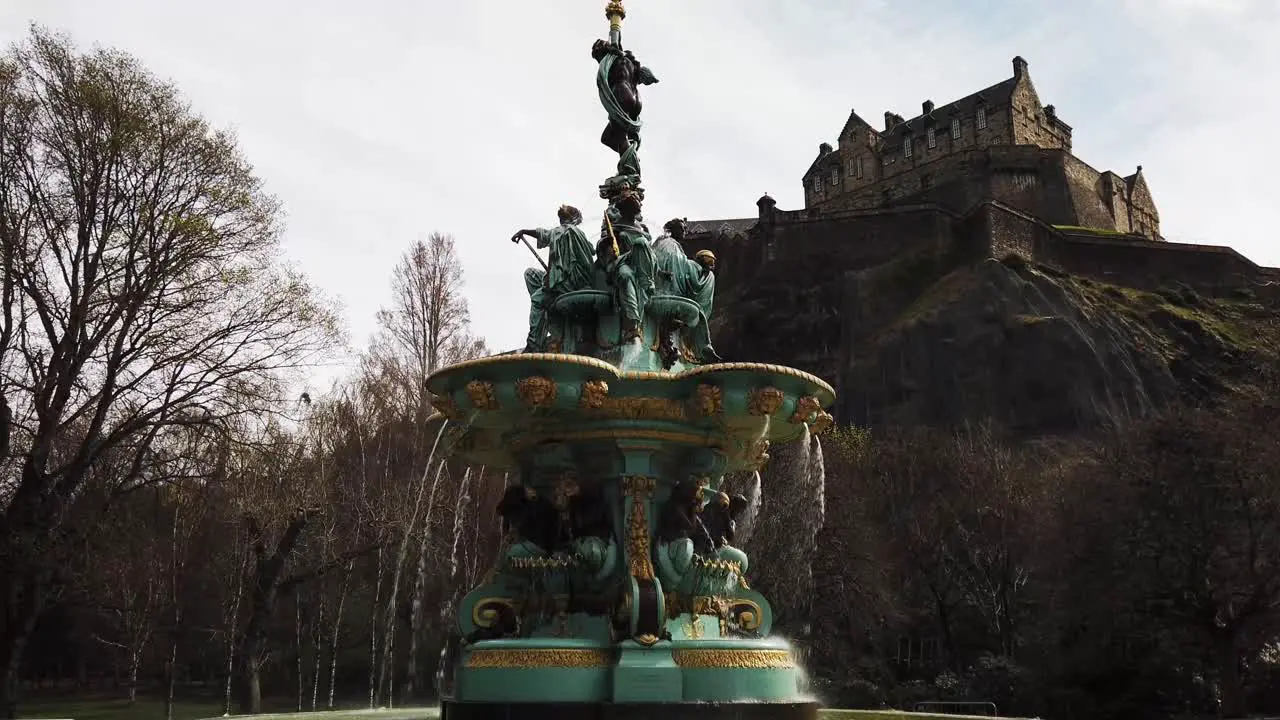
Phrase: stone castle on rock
(991, 173)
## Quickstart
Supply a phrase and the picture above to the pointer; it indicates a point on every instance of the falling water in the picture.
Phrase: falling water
(453, 584)
(459, 512)
(746, 523)
(784, 534)
(420, 571)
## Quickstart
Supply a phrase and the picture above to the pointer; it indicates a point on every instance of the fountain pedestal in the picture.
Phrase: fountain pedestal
(614, 596)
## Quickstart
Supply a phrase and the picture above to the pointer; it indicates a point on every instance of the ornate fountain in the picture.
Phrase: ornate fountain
(621, 593)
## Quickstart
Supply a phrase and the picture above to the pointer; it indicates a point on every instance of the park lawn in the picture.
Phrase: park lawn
(146, 709)
(115, 709)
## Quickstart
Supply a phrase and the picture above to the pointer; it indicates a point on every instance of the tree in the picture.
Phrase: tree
(140, 253)
(1196, 541)
(429, 320)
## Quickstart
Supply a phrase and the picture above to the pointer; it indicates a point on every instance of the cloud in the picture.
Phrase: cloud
(380, 122)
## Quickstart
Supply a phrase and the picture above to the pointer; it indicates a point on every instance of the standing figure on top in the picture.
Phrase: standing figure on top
(570, 266)
(618, 80)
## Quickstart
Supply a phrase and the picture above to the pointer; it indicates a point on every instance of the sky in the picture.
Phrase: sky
(378, 122)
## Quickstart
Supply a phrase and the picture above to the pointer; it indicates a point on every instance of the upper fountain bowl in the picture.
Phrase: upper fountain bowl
(507, 405)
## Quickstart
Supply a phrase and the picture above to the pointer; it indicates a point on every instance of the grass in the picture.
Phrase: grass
(147, 709)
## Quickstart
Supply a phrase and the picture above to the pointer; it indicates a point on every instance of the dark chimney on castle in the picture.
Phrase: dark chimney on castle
(824, 149)
(888, 120)
(926, 107)
(1019, 66)
(1051, 111)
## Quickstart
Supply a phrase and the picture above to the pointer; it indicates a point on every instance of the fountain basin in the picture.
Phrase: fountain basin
(507, 406)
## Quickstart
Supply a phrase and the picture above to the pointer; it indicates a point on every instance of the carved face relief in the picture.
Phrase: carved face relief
(481, 394)
(765, 401)
(536, 392)
(708, 400)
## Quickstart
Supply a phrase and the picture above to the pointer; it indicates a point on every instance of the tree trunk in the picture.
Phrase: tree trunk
(249, 681)
(317, 628)
(232, 617)
(1231, 684)
(373, 634)
(297, 641)
(337, 628)
(135, 663)
(172, 673)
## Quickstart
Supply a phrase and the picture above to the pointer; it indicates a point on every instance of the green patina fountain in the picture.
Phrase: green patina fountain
(621, 593)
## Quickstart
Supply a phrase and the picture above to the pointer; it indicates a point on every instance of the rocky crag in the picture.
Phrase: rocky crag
(931, 339)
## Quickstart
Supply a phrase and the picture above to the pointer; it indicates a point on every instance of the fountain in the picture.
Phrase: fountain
(620, 593)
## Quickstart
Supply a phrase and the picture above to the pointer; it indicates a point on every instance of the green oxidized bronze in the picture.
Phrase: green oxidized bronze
(622, 581)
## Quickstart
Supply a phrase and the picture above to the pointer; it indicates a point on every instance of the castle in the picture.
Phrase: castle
(991, 174)
(999, 143)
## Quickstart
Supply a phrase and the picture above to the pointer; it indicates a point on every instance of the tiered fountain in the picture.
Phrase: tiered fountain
(621, 593)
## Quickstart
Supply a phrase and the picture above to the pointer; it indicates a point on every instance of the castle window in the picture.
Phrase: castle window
(817, 183)
(955, 128)
(850, 169)
(858, 165)
(930, 138)
(835, 176)
(982, 118)
(906, 146)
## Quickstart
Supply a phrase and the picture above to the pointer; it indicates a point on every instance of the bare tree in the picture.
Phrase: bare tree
(140, 252)
(428, 318)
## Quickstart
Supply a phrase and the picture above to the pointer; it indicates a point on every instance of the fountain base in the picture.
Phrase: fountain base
(630, 711)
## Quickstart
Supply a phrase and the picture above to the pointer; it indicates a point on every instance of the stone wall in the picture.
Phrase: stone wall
(1139, 263)
(1034, 124)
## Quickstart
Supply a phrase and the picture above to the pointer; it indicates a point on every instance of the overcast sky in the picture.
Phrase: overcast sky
(380, 121)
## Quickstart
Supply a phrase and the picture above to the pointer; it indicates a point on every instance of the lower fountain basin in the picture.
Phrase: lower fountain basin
(569, 679)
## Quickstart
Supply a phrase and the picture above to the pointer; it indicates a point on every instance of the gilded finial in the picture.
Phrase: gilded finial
(615, 9)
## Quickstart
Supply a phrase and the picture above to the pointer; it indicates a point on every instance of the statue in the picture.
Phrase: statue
(618, 80)
(569, 267)
(589, 514)
(670, 261)
(532, 518)
(720, 517)
(679, 517)
(626, 253)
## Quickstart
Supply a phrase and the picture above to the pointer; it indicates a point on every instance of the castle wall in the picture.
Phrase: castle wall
(1032, 125)
(1149, 264)
(1084, 186)
(1146, 219)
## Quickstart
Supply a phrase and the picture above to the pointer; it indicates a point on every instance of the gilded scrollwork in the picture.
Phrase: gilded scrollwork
(709, 400)
(539, 657)
(481, 394)
(641, 408)
(536, 392)
(822, 423)
(765, 401)
(805, 408)
(485, 612)
(746, 613)
(639, 564)
(734, 658)
(594, 393)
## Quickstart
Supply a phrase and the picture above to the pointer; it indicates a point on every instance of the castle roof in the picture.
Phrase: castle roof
(1000, 93)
